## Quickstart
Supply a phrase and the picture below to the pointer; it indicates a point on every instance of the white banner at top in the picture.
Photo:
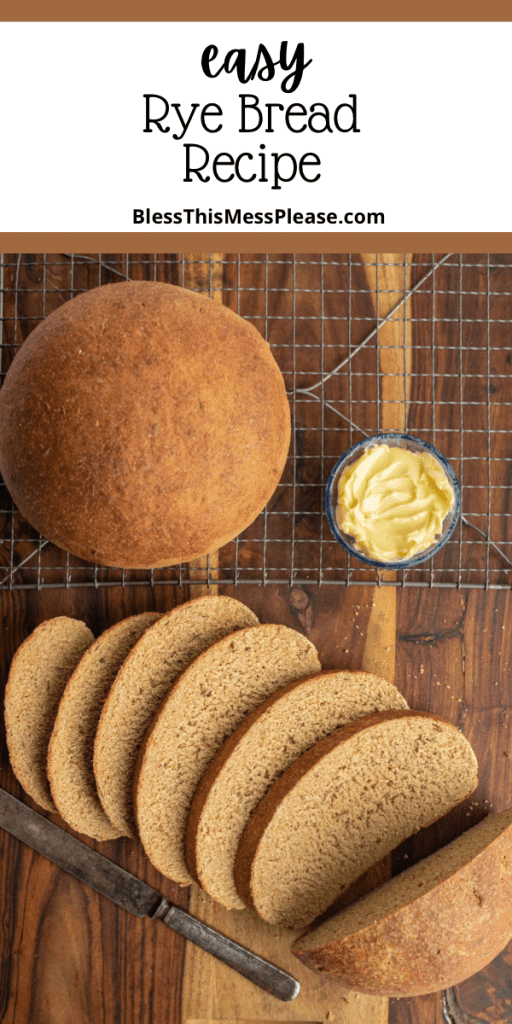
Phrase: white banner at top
(343, 127)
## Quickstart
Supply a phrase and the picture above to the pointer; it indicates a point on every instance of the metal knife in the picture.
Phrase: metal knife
(135, 896)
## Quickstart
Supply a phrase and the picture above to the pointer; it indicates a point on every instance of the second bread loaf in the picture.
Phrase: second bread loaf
(427, 929)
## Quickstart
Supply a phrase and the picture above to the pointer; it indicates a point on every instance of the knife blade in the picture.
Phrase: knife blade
(136, 896)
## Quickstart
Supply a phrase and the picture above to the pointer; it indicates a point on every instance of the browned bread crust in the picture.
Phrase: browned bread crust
(448, 929)
(142, 425)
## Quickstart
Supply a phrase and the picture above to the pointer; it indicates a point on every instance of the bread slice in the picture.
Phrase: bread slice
(153, 665)
(429, 928)
(344, 805)
(39, 672)
(207, 703)
(267, 742)
(70, 751)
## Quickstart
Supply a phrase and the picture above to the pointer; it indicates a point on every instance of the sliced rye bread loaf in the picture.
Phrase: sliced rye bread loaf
(153, 666)
(344, 805)
(267, 742)
(429, 928)
(207, 703)
(39, 672)
(70, 751)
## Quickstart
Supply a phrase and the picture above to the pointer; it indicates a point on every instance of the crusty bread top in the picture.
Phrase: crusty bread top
(209, 700)
(142, 425)
(265, 744)
(430, 927)
(153, 665)
(344, 805)
(39, 672)
(70, 751)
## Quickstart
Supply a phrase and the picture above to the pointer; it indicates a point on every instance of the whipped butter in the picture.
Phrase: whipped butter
(393, 502)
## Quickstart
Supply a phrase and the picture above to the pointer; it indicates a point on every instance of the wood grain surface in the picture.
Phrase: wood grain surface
(71, 957)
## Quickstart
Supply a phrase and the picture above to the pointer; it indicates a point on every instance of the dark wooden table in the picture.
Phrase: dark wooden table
(71, 957)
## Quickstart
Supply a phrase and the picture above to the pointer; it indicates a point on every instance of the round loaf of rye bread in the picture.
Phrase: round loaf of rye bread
(70, 751)
(208, 701)
(267, 742)
(142, 425)
(430, 927)
(344, 805)
(38, 675)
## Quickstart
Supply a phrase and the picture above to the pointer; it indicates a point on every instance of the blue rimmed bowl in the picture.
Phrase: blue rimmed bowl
(393, 440)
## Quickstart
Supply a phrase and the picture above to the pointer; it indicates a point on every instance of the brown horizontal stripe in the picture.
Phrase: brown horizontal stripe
(165, 242)
(267, 10)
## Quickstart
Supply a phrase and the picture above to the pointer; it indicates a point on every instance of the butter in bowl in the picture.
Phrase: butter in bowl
(392, 500)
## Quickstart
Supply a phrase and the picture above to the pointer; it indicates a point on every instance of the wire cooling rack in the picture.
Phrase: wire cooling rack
(415, 342)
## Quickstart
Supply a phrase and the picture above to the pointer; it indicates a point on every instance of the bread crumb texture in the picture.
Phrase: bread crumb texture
(344, 805)
(266, 743)
(208, 702)
(430, 927)
(70, 752)
(39, 672)
(151, 668)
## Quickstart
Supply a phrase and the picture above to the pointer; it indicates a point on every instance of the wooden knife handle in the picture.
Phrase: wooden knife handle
(270, 978)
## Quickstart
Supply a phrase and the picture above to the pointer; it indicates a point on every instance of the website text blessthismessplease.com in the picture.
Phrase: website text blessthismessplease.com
(198, 217)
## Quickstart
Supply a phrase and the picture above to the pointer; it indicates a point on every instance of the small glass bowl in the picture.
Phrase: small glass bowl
(394, 440)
